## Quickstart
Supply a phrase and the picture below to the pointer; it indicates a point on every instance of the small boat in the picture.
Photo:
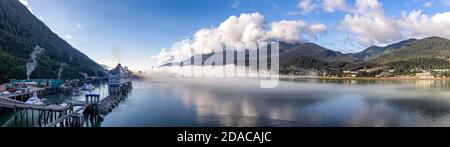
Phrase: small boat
(34, 100)
(5, 93)
(88, 87)
(63, 105)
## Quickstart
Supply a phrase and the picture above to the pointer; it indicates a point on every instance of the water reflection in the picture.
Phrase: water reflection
(7, 115)
(293, 103)
(309, 103)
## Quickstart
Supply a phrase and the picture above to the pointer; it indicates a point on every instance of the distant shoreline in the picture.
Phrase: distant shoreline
(366, 78)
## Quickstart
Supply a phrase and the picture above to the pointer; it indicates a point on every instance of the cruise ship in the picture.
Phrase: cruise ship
(119, 76)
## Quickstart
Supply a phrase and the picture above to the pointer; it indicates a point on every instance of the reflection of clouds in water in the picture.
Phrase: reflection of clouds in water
(382, 114)
(238, 107)
(238, 103)
(208, 104)
(376, 115)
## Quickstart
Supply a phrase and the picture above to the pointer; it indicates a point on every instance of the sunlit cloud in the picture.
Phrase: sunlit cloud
(238, 32)
(369, 23)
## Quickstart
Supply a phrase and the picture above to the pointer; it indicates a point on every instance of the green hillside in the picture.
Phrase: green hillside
(21, 32)
(432, 47)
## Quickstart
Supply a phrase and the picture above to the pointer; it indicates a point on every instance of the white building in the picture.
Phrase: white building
(425, 75)
(119, 76)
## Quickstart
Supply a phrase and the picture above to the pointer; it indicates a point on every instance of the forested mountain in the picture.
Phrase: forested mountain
(376, 51)
(405, 57)
(432, 47)
(21, 33)
(290, 54)
(317, 52)
(425, 54)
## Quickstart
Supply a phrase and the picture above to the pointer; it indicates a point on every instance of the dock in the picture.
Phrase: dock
(24, 96)
(109, 103)
(14, 104)
(70, 113)
(40, 114)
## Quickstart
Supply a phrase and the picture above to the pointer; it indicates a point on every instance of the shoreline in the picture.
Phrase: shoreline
(366, 78)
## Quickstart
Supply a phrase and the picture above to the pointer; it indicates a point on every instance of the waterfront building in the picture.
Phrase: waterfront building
(119, 76)
(51, 83)
(424, 75)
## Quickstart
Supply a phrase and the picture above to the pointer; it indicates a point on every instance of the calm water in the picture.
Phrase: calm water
(240, 102)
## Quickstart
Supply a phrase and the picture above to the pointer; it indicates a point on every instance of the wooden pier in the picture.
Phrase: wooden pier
(47, 116)
(68, 114)
(15, 104)
(71, 119)
(44, 114)
(24, 96)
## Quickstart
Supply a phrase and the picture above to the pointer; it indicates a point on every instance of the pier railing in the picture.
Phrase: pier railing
(64, 115)
(68, 116)
(8, 100)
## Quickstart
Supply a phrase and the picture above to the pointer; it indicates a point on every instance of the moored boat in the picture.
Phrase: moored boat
(88, 87)
(34, 100)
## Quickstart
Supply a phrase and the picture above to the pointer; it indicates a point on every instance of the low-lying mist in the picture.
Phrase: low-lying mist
(288, 84)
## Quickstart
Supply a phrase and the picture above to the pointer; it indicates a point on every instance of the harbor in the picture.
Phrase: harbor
(28, 107)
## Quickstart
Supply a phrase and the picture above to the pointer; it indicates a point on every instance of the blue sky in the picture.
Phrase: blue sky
(139, 29)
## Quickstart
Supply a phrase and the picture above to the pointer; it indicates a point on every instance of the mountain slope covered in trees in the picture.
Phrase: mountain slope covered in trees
(424, 54)
(432, 47)
(21, 32)
(376, 51)
(405, 57)
(289, 52)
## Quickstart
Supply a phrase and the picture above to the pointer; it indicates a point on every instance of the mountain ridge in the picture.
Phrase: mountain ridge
(406, 56)
(376, 51)
(21, 32)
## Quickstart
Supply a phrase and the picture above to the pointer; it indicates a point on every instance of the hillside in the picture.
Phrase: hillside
(317, 52)
(376, 51)
(301, 55)
(405, 57)
(425, 54)
(432, 47)
(21, 33)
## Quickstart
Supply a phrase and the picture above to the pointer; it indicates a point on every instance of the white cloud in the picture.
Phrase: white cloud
(239, 33)
(79, 26)
(318, 28)
(369, 23)
(416, 24)
(290, 31)
(428, 4)
(306, 5)
(26, 4)
(369, 6)
(327, 5)
(333, 5)
(293, 13)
